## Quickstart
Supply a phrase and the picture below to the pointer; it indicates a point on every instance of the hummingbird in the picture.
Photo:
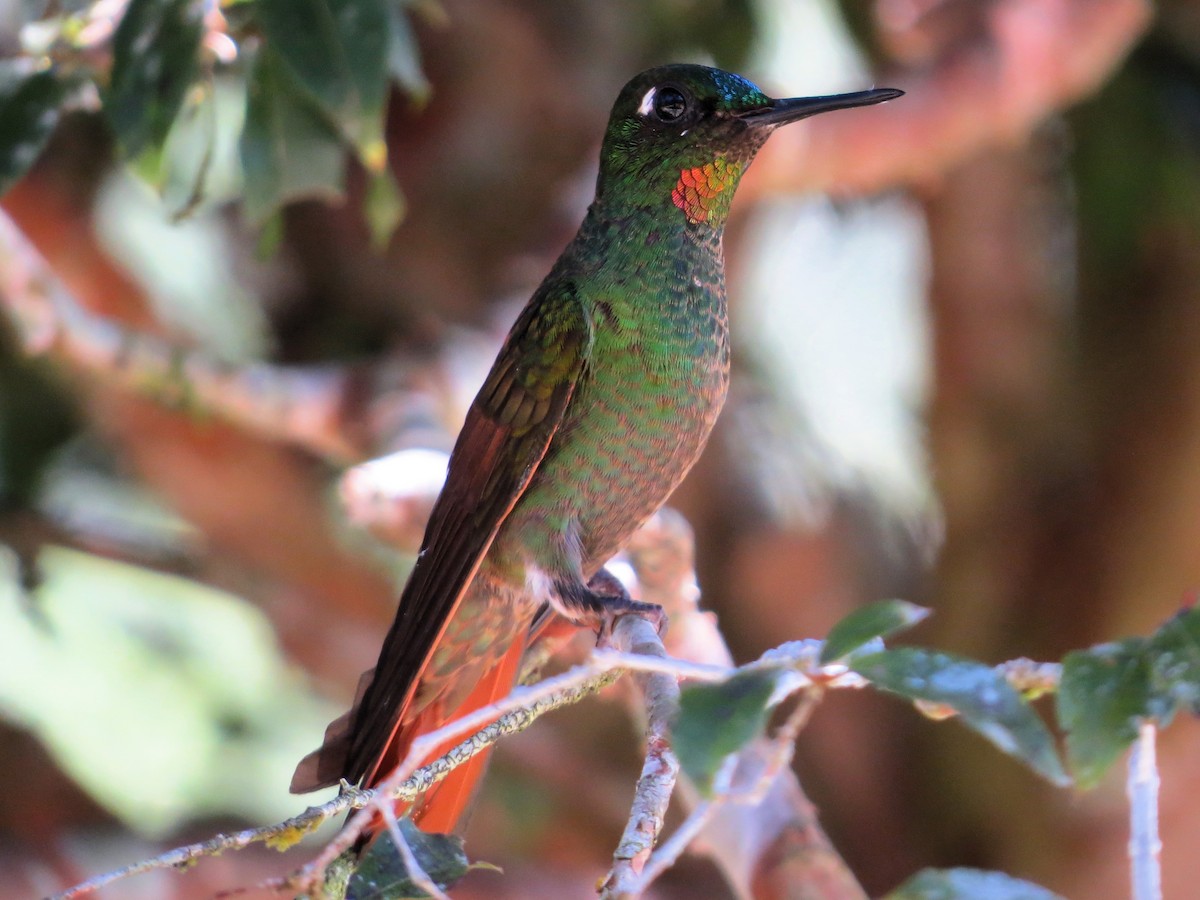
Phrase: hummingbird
(599, 402)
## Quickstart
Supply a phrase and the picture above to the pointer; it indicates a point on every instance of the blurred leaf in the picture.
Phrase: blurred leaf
(983, 699)
(722, 29)
(874, 621)
(718, 719)
(288, 151)
(29, 110)
(383, 207)
(197, 166)
(338, 51)
(382, 874)
(270, 237)
(1175, 665)
(968, 884)
(155, 61)
(404, 56)
(1103, 696)
(36, 418)
(166, 700)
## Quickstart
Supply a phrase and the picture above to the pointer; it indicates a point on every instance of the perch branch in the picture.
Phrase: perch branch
(515, 714)
(1145, 846)
(751, 845)
(652, 794)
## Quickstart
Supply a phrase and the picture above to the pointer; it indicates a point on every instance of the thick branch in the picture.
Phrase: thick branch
(988, 87)
(302, 406)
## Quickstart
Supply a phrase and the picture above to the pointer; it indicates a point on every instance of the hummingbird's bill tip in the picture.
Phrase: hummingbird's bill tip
(885, 94)
(780, 112)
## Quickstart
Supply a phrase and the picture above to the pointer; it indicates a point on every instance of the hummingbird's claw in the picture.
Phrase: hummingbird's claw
(610, 601)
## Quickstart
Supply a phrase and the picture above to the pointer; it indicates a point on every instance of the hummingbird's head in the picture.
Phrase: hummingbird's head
(688, 132)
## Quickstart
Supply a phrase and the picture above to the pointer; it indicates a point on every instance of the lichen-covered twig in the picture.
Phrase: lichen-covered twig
(660, 769)
(515, 713)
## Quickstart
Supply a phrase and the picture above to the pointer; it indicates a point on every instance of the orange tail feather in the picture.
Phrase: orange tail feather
(440, 809)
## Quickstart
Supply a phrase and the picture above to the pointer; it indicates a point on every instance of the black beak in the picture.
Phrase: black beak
(780, 112)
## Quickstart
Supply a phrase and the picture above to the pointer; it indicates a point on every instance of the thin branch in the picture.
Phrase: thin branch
(281, 834)
(782, 745)
(516, 715)
(416, 871)
(1145, 847)
(508, 716)
(652, 794)
(668, 854)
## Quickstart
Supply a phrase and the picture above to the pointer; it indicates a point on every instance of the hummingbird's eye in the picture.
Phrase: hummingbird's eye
(669, 104)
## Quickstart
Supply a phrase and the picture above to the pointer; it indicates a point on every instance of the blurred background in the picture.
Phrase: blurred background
(966, 375)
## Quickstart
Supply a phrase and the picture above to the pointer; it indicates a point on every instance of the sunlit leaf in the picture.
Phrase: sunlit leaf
(1103, 697)
(29, 110)
(338, 51)
(382, 874)
(874, 621)
(164, 699)
(288, 151)
(985, 702)
(968, 884)
(155, 61)
(718, 719)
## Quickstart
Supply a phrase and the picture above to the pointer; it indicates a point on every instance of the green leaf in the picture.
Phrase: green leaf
(1107, 691)
(1174, 652)
(968, 884)
(404, 56)
(1102, 698)
(874, 621)
(383, 207)
(155, 61)
(985, 702)
(718, 719)
(29, 111)
(288, 151)
(382, 874)
(338, 50)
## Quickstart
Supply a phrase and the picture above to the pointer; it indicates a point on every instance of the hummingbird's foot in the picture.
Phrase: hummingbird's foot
(601, 602)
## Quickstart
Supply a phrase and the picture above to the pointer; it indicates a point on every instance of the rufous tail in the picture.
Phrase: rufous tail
(442, 807)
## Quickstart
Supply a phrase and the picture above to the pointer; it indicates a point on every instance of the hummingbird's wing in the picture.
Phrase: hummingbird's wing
(507, 431)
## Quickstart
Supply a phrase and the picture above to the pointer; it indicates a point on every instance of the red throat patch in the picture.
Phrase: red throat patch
(698, 192)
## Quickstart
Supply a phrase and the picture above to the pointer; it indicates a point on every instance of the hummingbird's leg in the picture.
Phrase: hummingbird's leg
(602, 601)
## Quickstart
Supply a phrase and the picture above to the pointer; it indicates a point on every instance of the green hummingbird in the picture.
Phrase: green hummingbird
(599, 403)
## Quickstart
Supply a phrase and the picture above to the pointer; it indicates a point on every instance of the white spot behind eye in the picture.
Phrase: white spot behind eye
(647, 103)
